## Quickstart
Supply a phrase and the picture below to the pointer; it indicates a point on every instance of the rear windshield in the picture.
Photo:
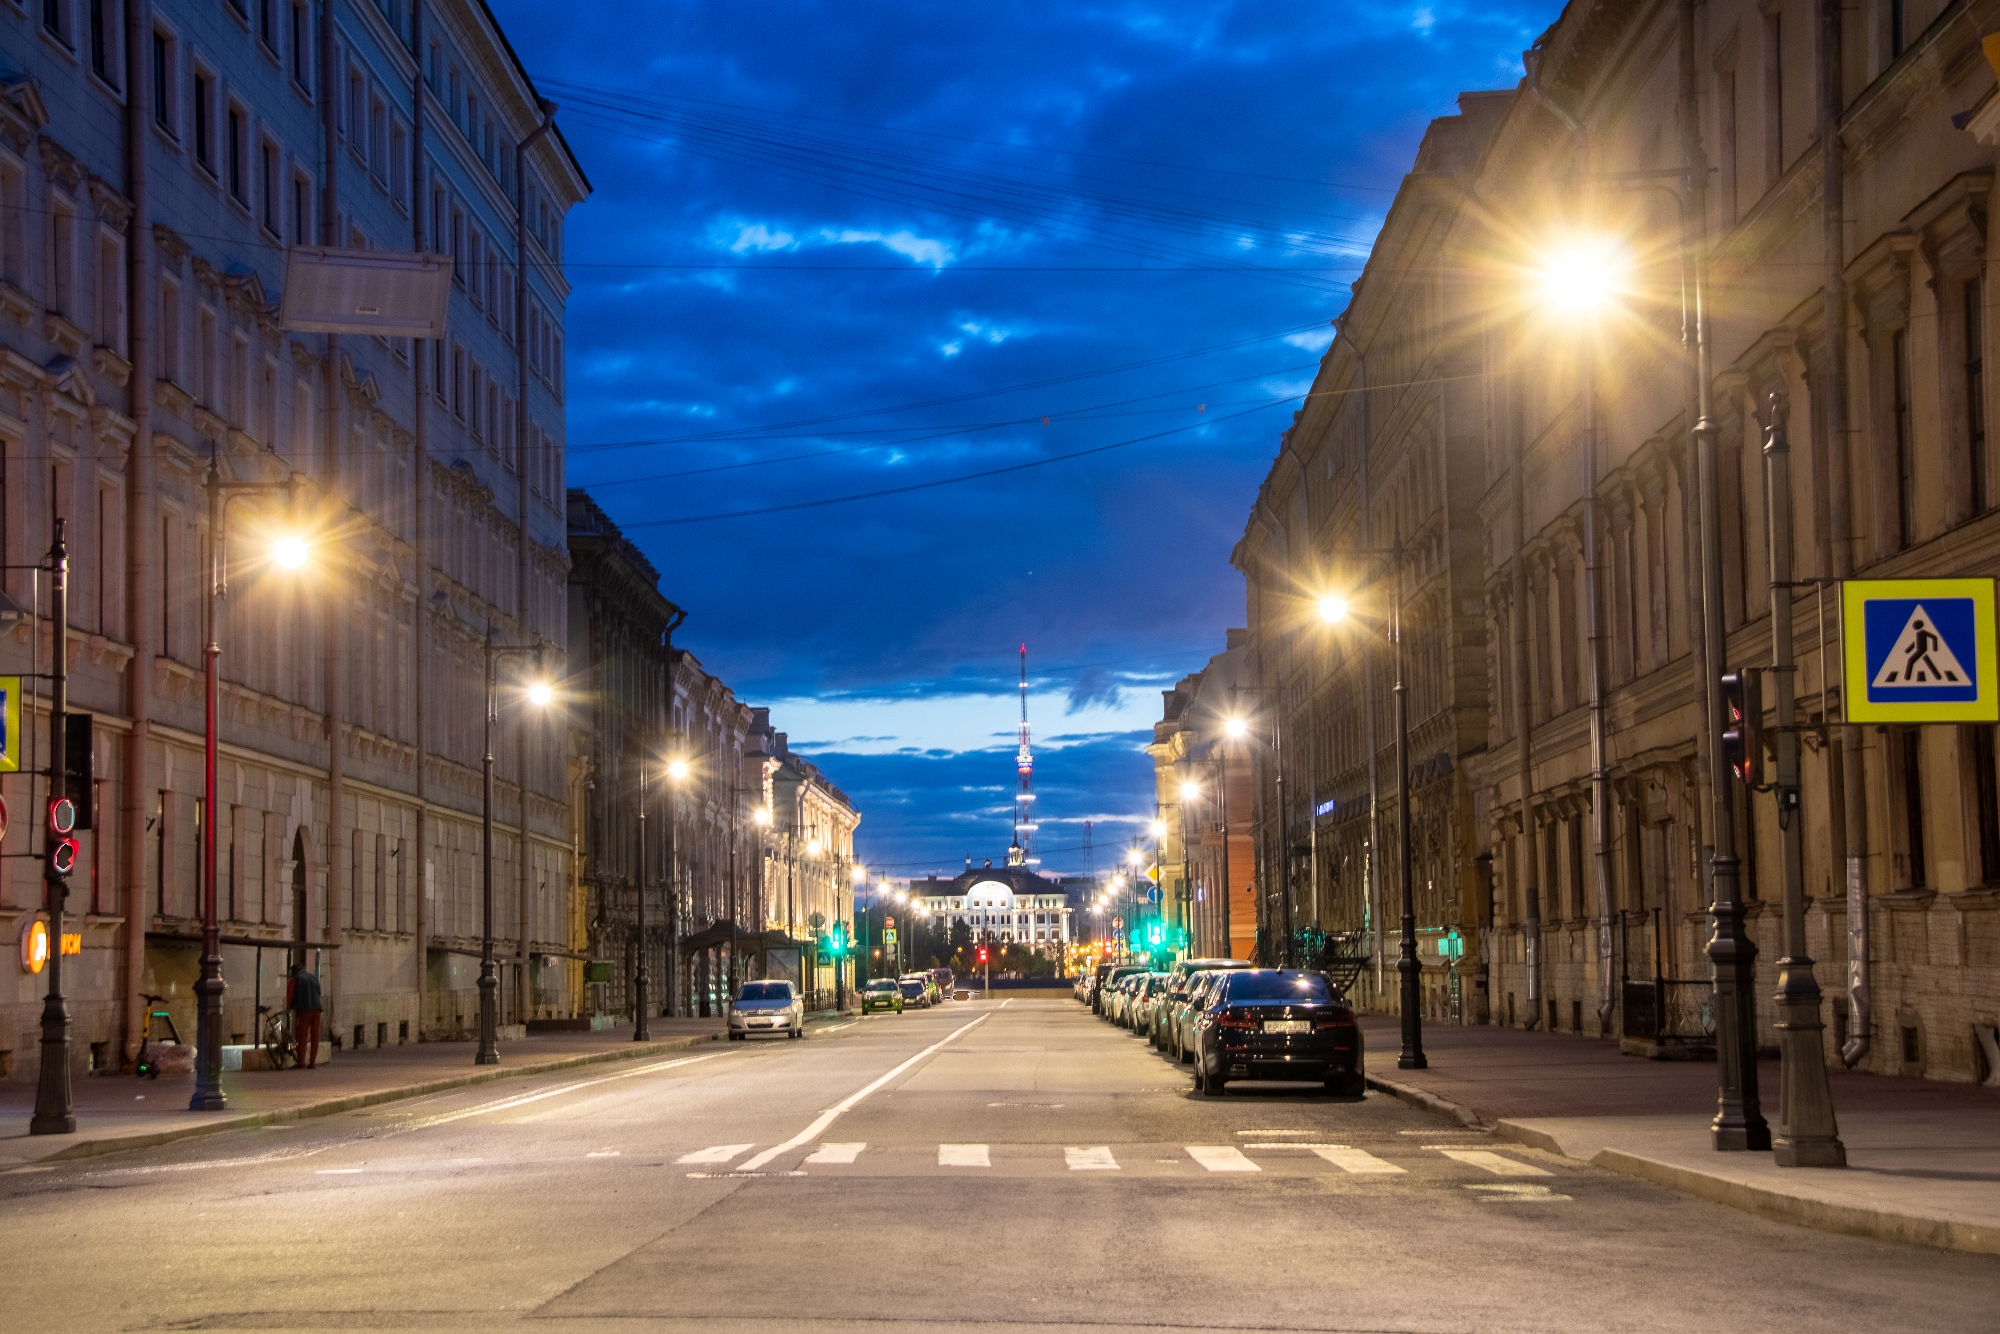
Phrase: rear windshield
(879, 984)
(913, 988)
(766, 991)
(1276, 986)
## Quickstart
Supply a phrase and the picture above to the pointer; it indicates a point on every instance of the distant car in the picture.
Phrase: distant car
(767, 1007)
(1182, 1014)
(1121, 996)
(1275, 1023)
(881, 994)
(1179, 978)
(915, 994)
(947, 981)
(932, 995)
(1108, 975)
(1149, 992)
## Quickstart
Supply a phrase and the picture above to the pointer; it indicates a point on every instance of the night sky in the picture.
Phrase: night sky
(857, 276)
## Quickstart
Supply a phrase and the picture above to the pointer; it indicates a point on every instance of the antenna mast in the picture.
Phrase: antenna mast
(1024, 797)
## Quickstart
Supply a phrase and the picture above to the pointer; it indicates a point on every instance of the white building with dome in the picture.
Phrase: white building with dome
(1009, 905)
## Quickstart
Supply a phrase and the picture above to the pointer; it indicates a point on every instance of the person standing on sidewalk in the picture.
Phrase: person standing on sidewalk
(302, 998)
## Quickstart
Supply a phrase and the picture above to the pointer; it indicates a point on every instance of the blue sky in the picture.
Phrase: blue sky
(1051, 275)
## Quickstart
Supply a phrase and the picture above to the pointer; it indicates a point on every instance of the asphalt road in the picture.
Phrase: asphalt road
(982, 1166)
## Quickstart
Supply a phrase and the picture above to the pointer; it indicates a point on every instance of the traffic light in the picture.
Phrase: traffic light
(836, 940)
(982, 954)
(62, 840)
(1743, 730)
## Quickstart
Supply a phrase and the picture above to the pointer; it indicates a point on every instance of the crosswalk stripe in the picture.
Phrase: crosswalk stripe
(1358, 1161)
(963, 1155)
(1221, 1158)
(836, 1153)
(717, 1153)
(1090, 1160)
(1494, 1163)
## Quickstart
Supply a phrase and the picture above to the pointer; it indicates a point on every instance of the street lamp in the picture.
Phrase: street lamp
(489, 981)
(291, 553)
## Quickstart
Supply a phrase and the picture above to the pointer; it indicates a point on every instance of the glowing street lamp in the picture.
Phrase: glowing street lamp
(290, 552)
(1583, 277)
(1236, 728)
(1333, 609)
(539, 693)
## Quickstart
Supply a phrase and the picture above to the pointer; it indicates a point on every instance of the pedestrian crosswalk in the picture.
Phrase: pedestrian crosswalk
(1280, 1155)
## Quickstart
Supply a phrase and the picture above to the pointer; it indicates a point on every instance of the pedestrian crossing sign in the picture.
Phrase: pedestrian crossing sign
(11, 741)
(1919, 651)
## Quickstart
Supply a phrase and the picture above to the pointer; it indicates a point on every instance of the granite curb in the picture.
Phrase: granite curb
(114, 1143)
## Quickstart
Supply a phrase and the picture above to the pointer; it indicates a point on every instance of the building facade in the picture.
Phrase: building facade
(156, 163)
(1204, 760)
(1509, 486)
(1003, 905)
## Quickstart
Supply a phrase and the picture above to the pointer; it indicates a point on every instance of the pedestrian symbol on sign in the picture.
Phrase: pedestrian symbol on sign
(1919, 657)
(1920, 651)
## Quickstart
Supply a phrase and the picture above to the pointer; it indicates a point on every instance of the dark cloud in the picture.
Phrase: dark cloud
(1095, 685)
(1033, 192)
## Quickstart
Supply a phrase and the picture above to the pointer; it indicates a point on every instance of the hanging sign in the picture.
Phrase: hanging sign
(11, 740)
(1919, 651)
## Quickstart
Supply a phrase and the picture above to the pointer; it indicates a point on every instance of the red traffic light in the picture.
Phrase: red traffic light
(62, 856)
(62, 815)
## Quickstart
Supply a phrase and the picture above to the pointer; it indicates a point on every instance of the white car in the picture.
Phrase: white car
(767, 1007)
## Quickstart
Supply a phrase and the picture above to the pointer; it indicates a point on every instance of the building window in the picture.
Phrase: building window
(1906, 479)
(272, 183)
(267, 24)
(111, 291)
(1774, 96)
(1899, 22)
(62, 257)
(1975, 390)
(163, 82)
(104, 41)
(301, 211)
(55, 19)
(239, 185)
(301, 18)
(170, 331)
(1986, 789)
(204, 120)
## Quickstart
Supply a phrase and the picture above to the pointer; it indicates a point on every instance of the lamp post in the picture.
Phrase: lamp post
(489, 982)
(1190, 793)
(1334, 609)
(209, 987)
(55, 1112)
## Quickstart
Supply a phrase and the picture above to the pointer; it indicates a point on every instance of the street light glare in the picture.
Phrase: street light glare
(1190, 790)
(1333, 609)
(762, 815)
(1158, 829)
(1236, 727)
(677, 769)
(1584, 277)
(540, 693)
(290, 552)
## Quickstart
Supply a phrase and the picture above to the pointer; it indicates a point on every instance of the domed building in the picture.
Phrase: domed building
(1007, 904)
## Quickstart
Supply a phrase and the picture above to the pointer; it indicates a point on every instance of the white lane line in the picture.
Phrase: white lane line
(603, 1153)
(837, 1153)
(1514, 1192)
(715, 1153)
(827, 1117)
(506, 1103)
(1492, 1162)
(963, 1155)
(1090, 1160)
(837, 1027)
(1221, 1158)
(1358, 1161)
(338, 1172)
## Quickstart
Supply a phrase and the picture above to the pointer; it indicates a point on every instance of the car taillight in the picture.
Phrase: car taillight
(1333, 1021)
(1233, 1019)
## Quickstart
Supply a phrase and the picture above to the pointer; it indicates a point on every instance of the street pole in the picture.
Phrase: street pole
(489, 985)
(1807, 1133)
(1407, 967)
(55, 1113)
(734, 946)
(1222, 786)
(209, 988)
(641, 1007)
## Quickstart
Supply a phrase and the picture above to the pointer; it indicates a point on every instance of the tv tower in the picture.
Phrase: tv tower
(1024, 796)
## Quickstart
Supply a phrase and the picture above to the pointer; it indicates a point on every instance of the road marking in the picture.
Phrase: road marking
(337, 1172)
(1220, 1158)
(963, 1155)
(827, 1117)
(1360, 1162)
(837, 1153)
(1090, 1160)
(1275, 1132)
(837, 1027)
(717, 1153)
(1492, 1162)
(1513, 1192)
(603, 1153)
(506, 1103)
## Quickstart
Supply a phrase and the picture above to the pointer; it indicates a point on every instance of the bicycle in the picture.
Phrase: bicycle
(156, 1015)
(274, 1037)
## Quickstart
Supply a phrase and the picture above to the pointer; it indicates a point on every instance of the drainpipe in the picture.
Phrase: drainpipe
(1853, 780)
(336, 782)
(417, 858)
(140, 527)
(1312, 730)
(525, 980)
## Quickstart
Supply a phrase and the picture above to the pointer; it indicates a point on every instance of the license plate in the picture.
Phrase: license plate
(1288, 1026)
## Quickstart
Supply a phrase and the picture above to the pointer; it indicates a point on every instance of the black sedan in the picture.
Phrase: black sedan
(1274, 1023)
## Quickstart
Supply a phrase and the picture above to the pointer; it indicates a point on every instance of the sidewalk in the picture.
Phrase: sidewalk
(1923, 1157)
(120, 1112)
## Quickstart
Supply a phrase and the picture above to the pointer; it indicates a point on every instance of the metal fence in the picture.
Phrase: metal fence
(1668, 1011)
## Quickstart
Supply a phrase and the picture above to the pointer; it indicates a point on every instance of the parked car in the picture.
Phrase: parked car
(1179, 978)
(1127, 992)
(947, 981)
(915, 994)
(881, 993)
(767, 1007)
(1276, 1023)
(1108, 975)
(1180, 1026)
(932, 995)
(1151, 989)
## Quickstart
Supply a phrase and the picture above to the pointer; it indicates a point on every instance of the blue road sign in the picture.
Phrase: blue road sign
(1920, 651)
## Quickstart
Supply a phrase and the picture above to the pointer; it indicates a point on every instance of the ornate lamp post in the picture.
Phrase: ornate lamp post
(538, 693)
(55, 1112)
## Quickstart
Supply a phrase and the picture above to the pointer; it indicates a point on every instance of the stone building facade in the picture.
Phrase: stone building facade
(1528, 474)
(156, 162)
(1203, 776)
